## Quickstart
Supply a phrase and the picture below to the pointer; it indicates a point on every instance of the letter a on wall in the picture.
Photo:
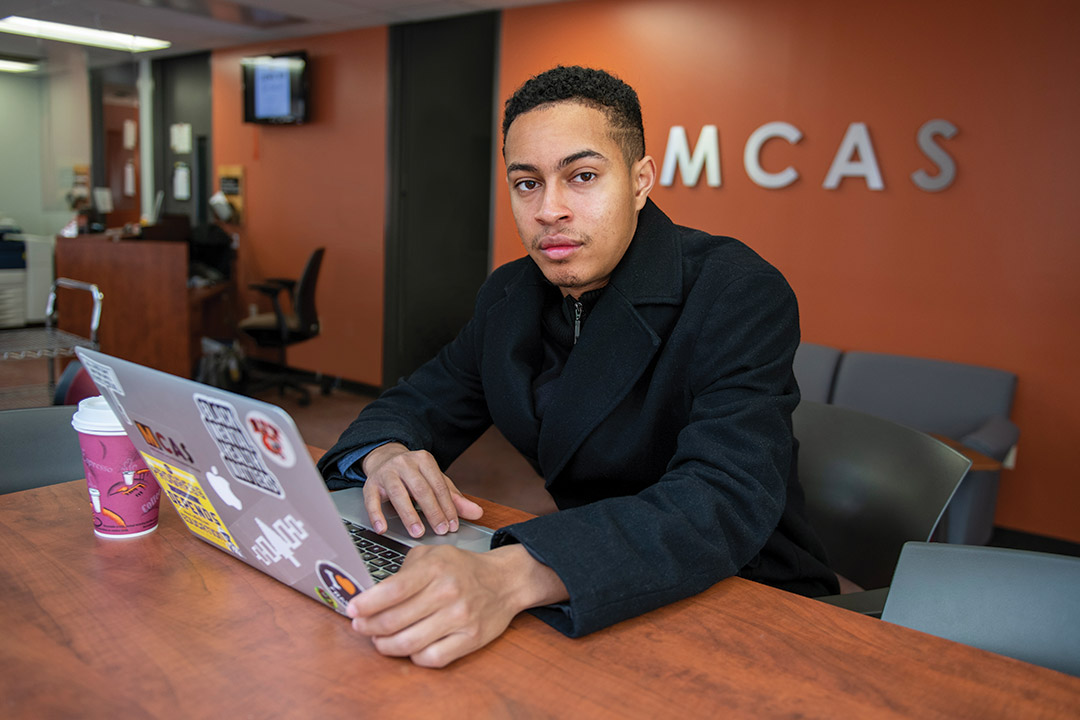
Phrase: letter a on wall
(856, 140)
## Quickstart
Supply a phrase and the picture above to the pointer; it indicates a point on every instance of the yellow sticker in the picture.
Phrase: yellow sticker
(191, 501)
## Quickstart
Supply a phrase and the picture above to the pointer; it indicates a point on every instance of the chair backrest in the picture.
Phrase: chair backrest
(1013, 602)
(305, 309)
(75, 384)
(949, 398)
(815, 370)
(871, 485)
(39, 448)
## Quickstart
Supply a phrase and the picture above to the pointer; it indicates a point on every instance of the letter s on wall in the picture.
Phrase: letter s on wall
(946, 166)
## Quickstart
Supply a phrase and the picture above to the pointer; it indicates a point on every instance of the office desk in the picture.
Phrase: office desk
(167, 626)
(149, 315)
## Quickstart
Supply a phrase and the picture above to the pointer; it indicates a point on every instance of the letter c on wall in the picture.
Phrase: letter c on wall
(752, 155)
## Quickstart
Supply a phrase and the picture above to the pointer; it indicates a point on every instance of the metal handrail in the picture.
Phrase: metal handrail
(95, 293)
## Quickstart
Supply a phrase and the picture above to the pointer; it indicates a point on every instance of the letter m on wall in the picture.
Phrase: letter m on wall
(706, 155)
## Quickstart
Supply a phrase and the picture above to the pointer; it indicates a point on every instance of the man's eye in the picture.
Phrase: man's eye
(586, 176)
(526, 184)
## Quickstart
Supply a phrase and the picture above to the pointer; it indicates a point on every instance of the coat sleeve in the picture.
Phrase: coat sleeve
(723, 492)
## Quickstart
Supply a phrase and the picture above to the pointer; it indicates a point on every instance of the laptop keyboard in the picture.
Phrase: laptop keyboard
(382, 555)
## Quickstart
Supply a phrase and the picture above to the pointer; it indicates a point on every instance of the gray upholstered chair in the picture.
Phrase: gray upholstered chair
(967, 403)
(39, 448)
(815, 370)
(1013, 602)
(871, 485)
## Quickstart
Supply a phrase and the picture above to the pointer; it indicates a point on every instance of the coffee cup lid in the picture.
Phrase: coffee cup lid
(95, 416)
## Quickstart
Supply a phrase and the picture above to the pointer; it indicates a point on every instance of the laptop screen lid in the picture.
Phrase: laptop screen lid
(240, 476)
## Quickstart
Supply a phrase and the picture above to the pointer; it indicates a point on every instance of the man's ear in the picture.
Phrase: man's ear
(643, 175)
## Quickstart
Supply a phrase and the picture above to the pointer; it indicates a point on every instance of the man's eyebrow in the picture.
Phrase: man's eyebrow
(521, 167)
(568, 160)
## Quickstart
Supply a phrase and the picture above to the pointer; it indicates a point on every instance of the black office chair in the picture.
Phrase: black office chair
(39, 447)
(280, 329)
(871, 485)
(1013, 602)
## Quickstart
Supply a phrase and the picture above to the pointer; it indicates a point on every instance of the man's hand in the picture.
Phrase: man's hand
(445, 602)
(399, 475)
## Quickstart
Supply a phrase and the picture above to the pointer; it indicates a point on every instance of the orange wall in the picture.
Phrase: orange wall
(983, 272)
(318, 184)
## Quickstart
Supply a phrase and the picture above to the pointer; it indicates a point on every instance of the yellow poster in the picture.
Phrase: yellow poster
(191, 502)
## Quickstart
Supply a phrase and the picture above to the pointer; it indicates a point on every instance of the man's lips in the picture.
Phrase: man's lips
(558, 247)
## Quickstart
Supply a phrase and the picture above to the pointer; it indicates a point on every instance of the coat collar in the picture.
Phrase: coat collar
(613, 353)
(651, 269)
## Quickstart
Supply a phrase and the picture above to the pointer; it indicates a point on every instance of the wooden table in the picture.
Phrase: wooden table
(166, 626)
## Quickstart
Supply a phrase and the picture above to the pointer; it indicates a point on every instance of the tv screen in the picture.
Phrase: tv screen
(276, 88)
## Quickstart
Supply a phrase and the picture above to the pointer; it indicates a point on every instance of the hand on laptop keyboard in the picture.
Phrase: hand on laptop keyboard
(402, 476)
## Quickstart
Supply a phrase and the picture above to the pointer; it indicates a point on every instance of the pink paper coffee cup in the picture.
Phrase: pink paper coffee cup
(124, 495)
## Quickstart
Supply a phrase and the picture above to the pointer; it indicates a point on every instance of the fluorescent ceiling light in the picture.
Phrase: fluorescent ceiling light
(15, 66)
(81, 35)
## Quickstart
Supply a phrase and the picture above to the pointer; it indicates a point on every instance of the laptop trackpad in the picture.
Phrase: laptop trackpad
(350, 503)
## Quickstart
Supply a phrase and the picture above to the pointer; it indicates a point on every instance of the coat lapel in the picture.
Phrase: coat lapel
(512, 343)
(618, 343)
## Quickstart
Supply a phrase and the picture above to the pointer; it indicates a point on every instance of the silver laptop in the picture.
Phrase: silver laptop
(240, 477)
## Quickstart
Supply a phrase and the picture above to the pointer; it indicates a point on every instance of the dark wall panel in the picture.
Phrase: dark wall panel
(442, 81)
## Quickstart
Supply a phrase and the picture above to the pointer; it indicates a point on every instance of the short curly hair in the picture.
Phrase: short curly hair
(595, 88)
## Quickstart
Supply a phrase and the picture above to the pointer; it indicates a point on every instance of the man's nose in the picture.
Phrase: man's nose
(553, 207)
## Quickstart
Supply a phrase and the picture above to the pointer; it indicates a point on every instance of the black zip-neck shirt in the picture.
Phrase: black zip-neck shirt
(561, 324)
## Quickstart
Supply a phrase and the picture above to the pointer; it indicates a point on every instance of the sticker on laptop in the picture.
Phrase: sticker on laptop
(223, 488)
(338, 583)
(270, 439)
(166, 441)
(192, 503)
(106, 380)
(325, 597)
(279, 540)
(242, 459)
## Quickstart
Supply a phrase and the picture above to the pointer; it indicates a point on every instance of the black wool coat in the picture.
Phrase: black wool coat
(667, 445)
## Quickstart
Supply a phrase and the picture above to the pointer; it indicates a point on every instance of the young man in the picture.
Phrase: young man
(643, 368)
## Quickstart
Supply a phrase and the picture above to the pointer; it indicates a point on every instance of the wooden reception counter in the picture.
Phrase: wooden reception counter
(149, 314)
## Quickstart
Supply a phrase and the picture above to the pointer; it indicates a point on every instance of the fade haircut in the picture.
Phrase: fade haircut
(598, 89)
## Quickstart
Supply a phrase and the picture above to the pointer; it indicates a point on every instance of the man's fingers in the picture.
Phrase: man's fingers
(373, 500)
(431, 642)
(401, 498)
(406, 477)
(465, 507)
(433, 495)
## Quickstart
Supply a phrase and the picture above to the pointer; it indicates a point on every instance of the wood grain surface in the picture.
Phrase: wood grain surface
(168, 626)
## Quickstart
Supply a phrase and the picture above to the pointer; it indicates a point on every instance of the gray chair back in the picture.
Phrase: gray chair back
(1013, 602)
(39, 448)
(949, 398)
(815, 370)
(871, 485)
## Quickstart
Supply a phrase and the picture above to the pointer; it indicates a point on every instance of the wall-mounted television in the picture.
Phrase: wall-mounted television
(276, 88)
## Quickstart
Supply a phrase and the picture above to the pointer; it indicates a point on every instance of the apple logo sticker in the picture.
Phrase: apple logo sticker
(222, 487)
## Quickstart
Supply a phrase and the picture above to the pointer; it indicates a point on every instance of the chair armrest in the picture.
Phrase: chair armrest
(867, 602)
(271, 290)
(287, 283)
(995, 438)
